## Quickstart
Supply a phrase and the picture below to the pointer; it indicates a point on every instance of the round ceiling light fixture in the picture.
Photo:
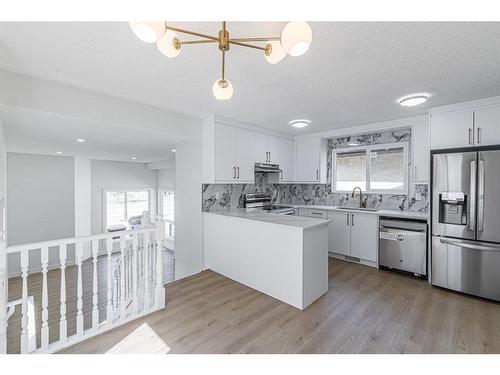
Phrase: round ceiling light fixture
(300, 123)
(58, 152)
(274, 52)
(133, 158)
(80, 140)
(222, 89)
(413, 100)
(296, 38)
(148, 31)
(173, 150)
(169, 44)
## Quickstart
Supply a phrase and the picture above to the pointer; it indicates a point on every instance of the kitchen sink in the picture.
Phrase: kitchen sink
(358, 209)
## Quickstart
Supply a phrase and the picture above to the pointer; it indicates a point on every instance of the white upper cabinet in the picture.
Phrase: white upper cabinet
(261, 153)
(487, 125)
(244, 155)
(311, 160)
(286, 152)
(420, 151)
(225, 153)
(452, 129)
(233, 154)
(273, 147)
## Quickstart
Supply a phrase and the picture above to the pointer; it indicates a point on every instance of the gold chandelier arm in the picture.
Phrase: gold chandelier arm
(199, 41)
(184, 31)
(223, 63)
(231, 41)
(255, 39)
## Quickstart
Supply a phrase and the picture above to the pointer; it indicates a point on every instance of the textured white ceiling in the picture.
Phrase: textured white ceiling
(352, 74)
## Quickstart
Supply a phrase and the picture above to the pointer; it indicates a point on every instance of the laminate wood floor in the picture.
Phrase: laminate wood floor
(364, 311)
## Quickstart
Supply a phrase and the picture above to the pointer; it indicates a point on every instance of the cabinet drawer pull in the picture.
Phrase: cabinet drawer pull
(317, 213)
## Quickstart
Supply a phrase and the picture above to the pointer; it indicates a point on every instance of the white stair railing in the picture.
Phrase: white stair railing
(133, 280)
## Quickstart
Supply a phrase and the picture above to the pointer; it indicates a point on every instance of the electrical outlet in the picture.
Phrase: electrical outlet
(418, 196)
(217, 195)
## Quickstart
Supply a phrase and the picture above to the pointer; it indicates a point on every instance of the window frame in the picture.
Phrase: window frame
(367, 149)
(151, 198)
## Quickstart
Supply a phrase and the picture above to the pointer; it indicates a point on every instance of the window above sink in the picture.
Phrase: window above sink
(380, 168)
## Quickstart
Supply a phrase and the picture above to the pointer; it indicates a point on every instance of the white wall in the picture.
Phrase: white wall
(3, 176)
(82, 197)
(188, 219)
(40, 198)
(116, 174)
(166, 178)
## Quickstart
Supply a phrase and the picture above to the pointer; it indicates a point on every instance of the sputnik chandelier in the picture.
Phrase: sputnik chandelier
(295, 40)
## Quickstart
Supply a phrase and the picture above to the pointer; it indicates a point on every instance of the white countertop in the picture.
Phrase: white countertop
(391, 213)
(269, 217)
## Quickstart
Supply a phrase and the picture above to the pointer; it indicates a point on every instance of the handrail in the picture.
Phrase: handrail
(72, 240)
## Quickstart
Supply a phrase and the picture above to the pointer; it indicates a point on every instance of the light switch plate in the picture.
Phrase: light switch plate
(418, 196)
(217, 195)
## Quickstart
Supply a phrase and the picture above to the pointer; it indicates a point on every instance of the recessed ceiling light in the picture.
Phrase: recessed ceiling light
(58, 152)
(173, 150)
(413, 100)
(133, 158)
(81, 140)
(300, 123)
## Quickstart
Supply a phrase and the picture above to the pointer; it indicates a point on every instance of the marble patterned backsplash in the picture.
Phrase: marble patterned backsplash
(224, 196)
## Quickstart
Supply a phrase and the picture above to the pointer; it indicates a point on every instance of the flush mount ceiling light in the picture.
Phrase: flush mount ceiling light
(173, 150)
(80, 140)
(413, 100)
(295, 40)
(300, 123)
(133, 158)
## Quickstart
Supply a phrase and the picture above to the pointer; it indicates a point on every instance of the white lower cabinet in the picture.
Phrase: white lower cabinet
(354, 235)
(339, 234)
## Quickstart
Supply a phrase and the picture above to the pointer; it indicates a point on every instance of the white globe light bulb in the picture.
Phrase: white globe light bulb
(274, 52)
(148, 31)
(169, 44)
(222, 89)
(296, 38)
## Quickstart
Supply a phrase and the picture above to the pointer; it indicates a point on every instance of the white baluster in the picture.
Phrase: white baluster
(135, 294)
(63, 324)
(3, 294)
(159, 288)
(45, 298)
(109, 294)
(79, 289)
(146, 250)
(123, 307)
(24, 306)
(95, 306)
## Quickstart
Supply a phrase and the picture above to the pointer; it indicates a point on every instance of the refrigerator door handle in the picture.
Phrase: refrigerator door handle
(472, 205)
(480, 200)
(467, 245)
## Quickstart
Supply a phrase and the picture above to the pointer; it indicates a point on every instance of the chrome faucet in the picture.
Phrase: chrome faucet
(361, 203)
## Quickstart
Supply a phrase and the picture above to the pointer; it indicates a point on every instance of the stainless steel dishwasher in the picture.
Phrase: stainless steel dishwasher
(403, 245)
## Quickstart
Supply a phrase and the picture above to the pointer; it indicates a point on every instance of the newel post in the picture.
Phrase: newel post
(159, 288)
(3, 294)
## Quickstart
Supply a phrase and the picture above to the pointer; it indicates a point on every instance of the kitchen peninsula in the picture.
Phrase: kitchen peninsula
(285, 257)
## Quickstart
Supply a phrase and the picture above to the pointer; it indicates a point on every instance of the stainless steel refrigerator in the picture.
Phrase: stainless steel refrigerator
(465, 249)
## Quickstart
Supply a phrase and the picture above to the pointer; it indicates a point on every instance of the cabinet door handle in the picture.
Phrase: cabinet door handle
(478, 135)
(348, 219)
(281, 175)
(238, 168)
(352, 219)
(415, 172)
(470, 136)
(234, 172)
(317, 174)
